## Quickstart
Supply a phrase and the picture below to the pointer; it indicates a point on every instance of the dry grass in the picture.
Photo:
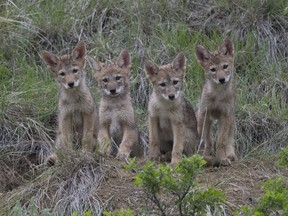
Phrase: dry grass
(154, 30)
(81, 184)
(61, 189)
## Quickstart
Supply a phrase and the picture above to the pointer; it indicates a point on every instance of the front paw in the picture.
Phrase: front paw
(87, 144)
(223, 157)
(105, 148)
(175, 160)
(224, 162)
(232, 157)
(122, 155)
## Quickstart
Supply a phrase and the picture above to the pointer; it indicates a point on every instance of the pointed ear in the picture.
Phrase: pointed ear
(151, 68)
(50, 59)
(202, 54)
(94, 64)
(124, 59)
(179, 63)
(227, 47)
(79, 51)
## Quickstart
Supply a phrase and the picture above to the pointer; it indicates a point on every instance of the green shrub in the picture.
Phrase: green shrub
(283, 157)
(179, 184)
(273, 202)
(275, 199)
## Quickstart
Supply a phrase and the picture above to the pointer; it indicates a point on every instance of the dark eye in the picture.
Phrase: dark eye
(118, 77)
(213, 69)
(175, 82)
(162, 84)
(225, 66)
(105, 80)
(62, 73)
(75, 70)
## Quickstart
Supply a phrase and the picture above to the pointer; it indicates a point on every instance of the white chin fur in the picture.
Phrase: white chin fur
(76, 84)
(107, 92)
(165, 97)
(175, 96)
(226, 80)
(118, 91)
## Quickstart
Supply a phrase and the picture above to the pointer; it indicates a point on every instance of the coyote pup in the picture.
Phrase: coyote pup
(116, 114)
(77, 117)
(172, 121)
(217, 102)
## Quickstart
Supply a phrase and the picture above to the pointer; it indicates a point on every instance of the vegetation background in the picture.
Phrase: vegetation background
(156, 30)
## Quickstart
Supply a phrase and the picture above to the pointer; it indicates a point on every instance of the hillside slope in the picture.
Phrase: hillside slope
(154, 30)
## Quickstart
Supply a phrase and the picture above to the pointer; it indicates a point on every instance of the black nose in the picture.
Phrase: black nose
(113, 91)
(222, 80)
(71, 84)
(171, 96)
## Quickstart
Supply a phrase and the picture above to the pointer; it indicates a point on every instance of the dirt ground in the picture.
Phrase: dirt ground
(241, 183)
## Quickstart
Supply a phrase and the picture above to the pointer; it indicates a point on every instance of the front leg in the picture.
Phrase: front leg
(104, 140)
(64, 138)
(225, 124)
(178, 142)
(65, 132)
(88, 131)
(130, 138)
(154, 145)
(230, 147)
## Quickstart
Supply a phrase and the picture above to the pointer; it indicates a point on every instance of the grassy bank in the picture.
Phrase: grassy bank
(154, 30)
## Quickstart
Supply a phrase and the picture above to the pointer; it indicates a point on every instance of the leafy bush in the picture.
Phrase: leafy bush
(180, 184)
(275, 199)
(283, 157)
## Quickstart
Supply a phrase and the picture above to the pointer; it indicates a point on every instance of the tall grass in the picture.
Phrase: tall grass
(154, 30)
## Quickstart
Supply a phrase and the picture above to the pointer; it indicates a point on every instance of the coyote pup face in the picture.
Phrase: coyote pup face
(112, 79)
(68, 70)
(218, 66)
(167, 80)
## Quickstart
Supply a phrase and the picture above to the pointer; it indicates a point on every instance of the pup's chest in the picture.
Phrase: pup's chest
(166, 113)
(76, 103)
(115, 112)
(219, 104)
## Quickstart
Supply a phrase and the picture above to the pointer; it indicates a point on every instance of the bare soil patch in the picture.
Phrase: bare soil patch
(115, 187)
(241, 183)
